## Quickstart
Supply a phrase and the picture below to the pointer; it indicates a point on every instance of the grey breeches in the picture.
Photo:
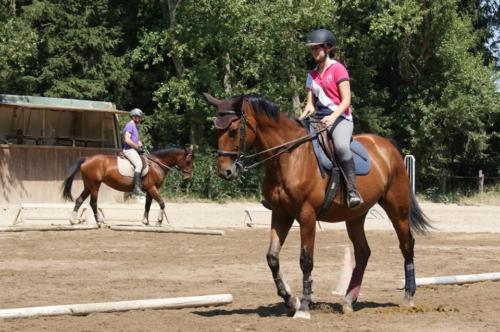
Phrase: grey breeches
(341, 134)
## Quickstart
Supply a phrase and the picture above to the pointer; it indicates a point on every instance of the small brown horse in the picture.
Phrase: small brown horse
(103, 168)
(295, 189)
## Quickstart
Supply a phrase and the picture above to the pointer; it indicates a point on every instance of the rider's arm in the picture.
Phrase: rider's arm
(129, 142)
(309, 108)
(345, 95)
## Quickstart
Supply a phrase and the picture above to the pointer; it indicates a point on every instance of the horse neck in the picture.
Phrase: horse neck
(170, 158)
(271, 133)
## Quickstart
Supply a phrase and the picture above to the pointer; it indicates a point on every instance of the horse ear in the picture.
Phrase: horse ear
(189, 148)
(211, 100)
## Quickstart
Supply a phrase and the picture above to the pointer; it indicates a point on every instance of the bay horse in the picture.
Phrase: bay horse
(294, 189)
(104, 168)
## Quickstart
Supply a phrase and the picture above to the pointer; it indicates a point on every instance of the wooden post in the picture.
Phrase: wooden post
(481, 181)
(443, 185)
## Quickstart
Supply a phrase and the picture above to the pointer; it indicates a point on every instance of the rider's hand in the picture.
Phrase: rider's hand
(140, 150)
(328, 120)
(308, 110)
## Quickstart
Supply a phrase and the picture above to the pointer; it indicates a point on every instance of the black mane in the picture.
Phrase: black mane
(262, 104)
(169, 151)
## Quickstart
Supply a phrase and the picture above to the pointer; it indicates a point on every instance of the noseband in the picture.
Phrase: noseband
(232, 116)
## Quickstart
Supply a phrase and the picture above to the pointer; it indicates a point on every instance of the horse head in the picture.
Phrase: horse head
(235, 128)
(186, 163)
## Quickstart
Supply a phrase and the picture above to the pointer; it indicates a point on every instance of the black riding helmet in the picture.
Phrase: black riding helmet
(320, 37)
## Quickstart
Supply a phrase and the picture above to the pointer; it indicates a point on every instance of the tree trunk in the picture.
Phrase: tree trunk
(227, 74)
(295, 97)
(13, 7)
(169, 11)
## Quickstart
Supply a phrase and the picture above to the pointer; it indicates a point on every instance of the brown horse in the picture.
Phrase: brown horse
(103, 168)
(295, 189)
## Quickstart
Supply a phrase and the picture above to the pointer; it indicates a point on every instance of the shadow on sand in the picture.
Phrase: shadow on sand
(279, 309)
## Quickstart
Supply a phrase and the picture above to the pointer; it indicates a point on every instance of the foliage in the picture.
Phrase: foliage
(422, 71)
(206, 184)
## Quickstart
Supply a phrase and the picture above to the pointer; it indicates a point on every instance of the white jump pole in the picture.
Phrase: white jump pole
(84, 309)
(47, 228)
(167, 230)
(457, 279)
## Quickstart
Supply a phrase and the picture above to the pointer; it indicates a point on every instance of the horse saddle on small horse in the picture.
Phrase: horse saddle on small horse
(125, 167)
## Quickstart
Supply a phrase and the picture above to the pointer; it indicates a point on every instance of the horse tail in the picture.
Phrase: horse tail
(66, 187)
(419, 222)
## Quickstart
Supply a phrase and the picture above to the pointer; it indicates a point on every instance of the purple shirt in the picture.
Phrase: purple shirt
(131, 128)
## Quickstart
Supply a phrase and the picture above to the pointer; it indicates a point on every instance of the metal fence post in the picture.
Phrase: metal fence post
(410, 169)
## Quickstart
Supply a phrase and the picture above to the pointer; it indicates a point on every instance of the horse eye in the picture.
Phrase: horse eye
(232, 133)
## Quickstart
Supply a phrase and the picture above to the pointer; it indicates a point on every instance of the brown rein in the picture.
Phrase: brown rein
(240, 154)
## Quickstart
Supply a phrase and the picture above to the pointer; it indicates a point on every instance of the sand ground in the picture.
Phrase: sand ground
(48, 268)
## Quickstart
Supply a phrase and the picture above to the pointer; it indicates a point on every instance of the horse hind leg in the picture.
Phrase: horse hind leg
(78, 202)
(356, 232)
(93, 204)
(397, 209)
(280, 226)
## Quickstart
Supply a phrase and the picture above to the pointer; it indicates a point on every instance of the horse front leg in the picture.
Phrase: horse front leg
(307, 238)
(147, 207)
(356, 232)
(78, 202)
(155, 193)
(280, 226)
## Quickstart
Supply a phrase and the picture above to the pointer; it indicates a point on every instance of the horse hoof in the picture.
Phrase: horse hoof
(292, 305)
(302, 315)
(145, 222)
(409, 301)
(158, 224)
(347, 308)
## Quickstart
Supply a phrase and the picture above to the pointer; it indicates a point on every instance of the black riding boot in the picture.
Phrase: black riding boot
(353, 197)
(138, 184)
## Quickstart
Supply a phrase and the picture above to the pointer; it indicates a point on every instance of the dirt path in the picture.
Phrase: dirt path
(97, 266)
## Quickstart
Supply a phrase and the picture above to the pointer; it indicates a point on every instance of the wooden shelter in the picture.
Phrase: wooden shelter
(41, 137)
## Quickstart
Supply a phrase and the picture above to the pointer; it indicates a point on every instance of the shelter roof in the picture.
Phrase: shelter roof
(58, 104)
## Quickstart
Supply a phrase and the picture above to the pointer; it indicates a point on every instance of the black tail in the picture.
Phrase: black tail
(66, 187)
(419, 222)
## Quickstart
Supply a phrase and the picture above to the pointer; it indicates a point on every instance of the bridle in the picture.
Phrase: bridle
(240, 154)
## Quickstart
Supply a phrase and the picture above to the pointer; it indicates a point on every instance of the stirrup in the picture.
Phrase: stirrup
(354, 199)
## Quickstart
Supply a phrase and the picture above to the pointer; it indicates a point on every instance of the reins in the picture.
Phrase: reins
(240, 154)
(289, 146)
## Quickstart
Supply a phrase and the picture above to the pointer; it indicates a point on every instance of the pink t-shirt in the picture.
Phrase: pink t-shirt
(326, 88)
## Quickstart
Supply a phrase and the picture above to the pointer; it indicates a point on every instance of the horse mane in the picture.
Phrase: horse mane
(262, 104)
(168, 151)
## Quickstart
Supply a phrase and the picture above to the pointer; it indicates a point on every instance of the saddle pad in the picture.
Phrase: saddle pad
(125, 167)
(362, 162)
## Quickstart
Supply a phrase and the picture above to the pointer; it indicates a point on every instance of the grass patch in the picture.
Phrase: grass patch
(491, 196)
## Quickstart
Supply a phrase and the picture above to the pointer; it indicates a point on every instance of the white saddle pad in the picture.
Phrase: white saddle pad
(126, 168)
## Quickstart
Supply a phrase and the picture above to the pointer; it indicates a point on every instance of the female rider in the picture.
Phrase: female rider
(329, 95)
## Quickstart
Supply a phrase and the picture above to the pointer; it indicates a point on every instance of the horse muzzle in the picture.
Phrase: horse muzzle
(229, 172)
